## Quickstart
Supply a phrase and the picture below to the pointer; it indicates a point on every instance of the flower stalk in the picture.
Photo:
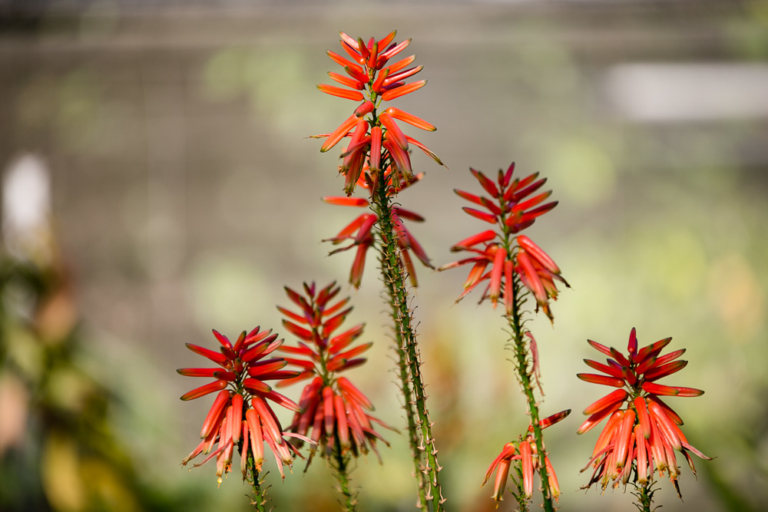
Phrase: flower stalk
(525, 376)
(408, 402)
(394, 276)
(377, 158)
(515, 262)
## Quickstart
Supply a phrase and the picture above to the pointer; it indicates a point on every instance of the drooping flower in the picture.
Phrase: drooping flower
(331, 406)
(642, 433)
(372, 80)
(524, 451)
(360, 231)
(241, 410)
(499, 255)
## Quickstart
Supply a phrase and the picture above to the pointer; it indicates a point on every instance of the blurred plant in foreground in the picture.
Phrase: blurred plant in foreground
(58, 447)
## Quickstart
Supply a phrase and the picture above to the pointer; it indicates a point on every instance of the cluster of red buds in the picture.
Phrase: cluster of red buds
(241, 375)
(332, 408)
(511, 210)
(643, 432)
(525, 452)
(360, 230)
(372, 80)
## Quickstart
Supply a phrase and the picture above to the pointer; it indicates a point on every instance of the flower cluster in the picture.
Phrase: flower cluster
(332, 408)
(372, 80)
(643, 432)
(511, 210)
(241, 377)
(525, 452)
(360, 230)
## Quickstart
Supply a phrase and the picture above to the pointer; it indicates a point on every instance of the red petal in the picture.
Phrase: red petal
(341, 93)
(211, 387)
(403, 90)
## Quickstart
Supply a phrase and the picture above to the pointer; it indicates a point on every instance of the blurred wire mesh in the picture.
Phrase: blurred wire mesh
(158, 183)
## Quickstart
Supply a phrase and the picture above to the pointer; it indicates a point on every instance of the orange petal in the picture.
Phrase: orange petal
(341, 93)
(339, 133)
(403, 90)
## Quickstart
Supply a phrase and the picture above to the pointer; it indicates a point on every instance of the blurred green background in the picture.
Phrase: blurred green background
(184, 195)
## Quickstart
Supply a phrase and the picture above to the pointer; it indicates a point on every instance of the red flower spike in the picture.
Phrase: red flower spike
(224, 424)
(369, 83)
(644, 436)
(535, 269)
(330, 405)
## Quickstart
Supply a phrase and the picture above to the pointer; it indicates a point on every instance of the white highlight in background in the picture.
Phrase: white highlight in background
(688, 92)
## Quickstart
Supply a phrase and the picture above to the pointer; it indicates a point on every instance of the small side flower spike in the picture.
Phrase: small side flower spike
(523, 451)
(360, 232)
(642, 433)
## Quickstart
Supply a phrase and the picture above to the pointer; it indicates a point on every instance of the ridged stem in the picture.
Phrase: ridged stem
(392, 272)
(524, 373)
(340, 466)
(259, 499)
(405, 387)
(644, 496)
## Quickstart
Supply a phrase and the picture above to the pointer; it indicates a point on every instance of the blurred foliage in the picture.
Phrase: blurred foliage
(58, 450)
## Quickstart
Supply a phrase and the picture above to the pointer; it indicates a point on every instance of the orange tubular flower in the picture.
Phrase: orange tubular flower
(505, 256)
(331, 406)
(241, 374)
(372, 79)
(523, 451)
(360, 231)
(642, 432)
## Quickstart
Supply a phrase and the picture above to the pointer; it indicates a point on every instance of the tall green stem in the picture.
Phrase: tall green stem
(408, 402)
(524, 373)
(394, 275)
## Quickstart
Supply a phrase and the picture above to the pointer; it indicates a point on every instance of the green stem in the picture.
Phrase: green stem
(259, 499)
(340, 466)
(405, 387)
(645, 496)
(393, 273)
(522, 501)
(524, 374)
